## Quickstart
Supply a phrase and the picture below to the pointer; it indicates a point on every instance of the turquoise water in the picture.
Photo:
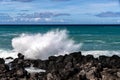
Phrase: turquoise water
(91, 37)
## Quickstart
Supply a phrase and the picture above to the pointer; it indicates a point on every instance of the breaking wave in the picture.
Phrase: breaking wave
(41, 46)
(52, 43)
(97, 53)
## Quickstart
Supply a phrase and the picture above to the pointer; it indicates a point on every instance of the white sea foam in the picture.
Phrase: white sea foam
(98, 41)
(32, 69)
(7, 53)
(7, 61)
(41, 46)
(97, 53)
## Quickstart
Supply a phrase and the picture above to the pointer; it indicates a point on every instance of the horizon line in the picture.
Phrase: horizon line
(60, 24)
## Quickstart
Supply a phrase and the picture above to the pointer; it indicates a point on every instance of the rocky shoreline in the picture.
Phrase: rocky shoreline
(68, 67)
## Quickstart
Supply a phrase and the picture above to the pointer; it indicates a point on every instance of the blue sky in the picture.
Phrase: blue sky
(59, 12)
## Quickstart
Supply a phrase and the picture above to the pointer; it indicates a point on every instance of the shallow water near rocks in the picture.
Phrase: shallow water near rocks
(32, 69)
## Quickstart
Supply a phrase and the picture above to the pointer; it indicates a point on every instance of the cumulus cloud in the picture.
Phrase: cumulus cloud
(108, 14)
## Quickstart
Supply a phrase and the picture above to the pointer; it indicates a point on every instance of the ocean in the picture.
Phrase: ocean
(44, 41)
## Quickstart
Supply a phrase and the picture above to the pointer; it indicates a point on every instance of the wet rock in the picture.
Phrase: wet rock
(20, 56)
(20, 73)
(118, 74)
(91, 74)
(2, 61)
(50, 76)
(82, 75)
(52, 58)
(40, 64)
(27, 63)
(9, 58)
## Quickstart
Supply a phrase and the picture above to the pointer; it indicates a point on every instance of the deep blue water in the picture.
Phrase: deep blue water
(92, 37)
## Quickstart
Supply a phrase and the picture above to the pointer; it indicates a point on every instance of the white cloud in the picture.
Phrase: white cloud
(48, 19)
(33, 17)
(37, 19)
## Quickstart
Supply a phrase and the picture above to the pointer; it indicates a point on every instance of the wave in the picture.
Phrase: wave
(52, 43)
(41, 46)
(97, 41)
(97, 53)
(9, 34)
(115, 43)
(86, 35)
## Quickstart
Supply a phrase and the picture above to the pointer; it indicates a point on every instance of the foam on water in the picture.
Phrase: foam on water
(98, 41)
(7, 61)
(97, 53)
(7, 53)
(32, 69)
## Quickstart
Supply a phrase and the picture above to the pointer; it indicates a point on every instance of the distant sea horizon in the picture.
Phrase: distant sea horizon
(61, 24)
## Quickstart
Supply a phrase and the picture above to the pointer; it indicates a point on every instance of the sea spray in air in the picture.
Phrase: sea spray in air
(41, 46)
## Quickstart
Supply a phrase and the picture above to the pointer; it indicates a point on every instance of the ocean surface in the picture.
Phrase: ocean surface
(43, 41)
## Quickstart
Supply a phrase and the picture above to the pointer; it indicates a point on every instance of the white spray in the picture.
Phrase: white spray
(41, 46)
